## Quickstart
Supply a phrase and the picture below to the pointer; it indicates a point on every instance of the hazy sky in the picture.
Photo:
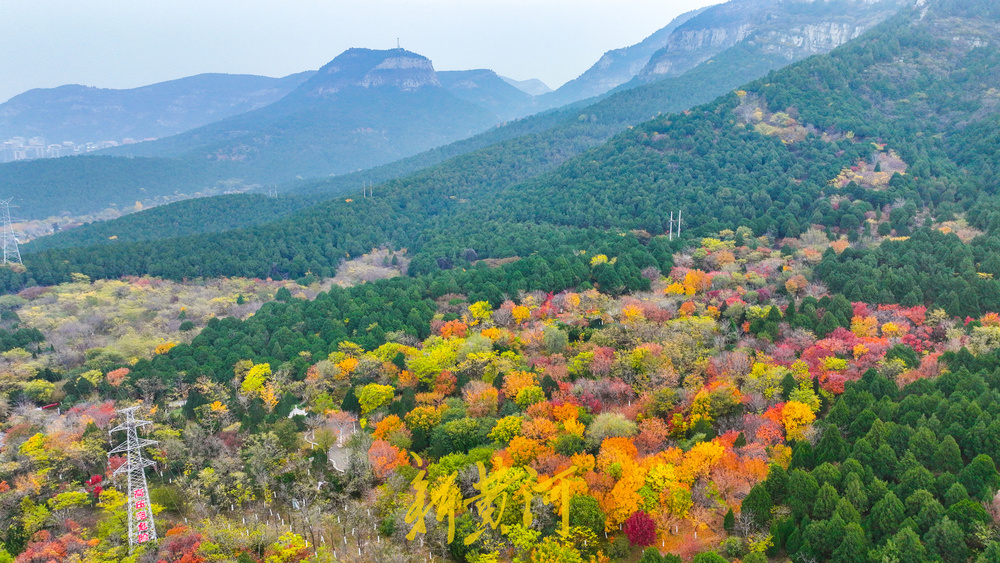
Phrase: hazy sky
(128, 43)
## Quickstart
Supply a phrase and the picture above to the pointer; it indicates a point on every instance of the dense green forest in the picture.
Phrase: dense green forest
(190, 216)
(88, 183)
(893, 467)
(783, 150)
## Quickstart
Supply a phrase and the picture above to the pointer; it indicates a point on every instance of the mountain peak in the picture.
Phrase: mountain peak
(371, 68)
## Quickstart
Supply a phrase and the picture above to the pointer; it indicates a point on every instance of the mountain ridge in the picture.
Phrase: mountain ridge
(82, 114)
(615, 67)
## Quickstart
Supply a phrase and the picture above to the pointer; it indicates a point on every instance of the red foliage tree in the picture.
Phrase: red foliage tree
(640, 529)
(181, 546)
(45, 549)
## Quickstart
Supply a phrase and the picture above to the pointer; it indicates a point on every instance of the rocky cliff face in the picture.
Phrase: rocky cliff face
(792, 29)
(615, 67)
(367, 68)
(809, 39)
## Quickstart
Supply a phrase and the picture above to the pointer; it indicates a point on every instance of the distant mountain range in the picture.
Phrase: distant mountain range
(84, 114)
(364, 108)
(532, 86)
(367, 108)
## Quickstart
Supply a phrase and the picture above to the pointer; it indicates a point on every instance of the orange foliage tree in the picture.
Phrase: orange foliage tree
(385, 458)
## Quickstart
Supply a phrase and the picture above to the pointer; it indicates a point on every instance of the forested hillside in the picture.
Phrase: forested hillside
(769, 156)
(205, 215)
(551, 374)
(500, 157)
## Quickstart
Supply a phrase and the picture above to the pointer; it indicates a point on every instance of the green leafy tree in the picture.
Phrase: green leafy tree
(802, 489)
(947, 541)
(904, 546)
(729, 521)
(776, 483)
(758, 503)
(991, 554)
(586, 512)
(967, 513)
(948, 456)
(826, 502)
(924, 509)
(832, 448)
(955, 493)
(854, 547)
(980, 477)
(886, 516)
(855, 493)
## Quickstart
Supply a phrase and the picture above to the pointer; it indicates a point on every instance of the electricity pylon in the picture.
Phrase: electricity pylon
(11, 254)
(141, 528)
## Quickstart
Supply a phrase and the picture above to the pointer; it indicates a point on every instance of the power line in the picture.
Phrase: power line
(11, 254)
(141, 528)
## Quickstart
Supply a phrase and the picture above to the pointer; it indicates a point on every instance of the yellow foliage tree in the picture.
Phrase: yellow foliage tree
(700, 460)
(521, 314)
(373, 396)
(255, 377)
(598, 259)
(864, 327)
(423, 417)
(480, 311)
(796, 417)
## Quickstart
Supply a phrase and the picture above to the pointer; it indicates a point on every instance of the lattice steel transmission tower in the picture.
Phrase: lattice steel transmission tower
(11, 254)
(141, 528)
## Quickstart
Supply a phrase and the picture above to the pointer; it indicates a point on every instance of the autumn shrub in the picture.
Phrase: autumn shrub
(529, 396)
(481, 399)
(515, 381)
(424, 417)
(609, 425)
(523, 450)
(506, 429)
(385, 458)
(387, 425)
(653, 434)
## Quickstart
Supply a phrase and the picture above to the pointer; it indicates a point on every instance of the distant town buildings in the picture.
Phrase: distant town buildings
(21, 148)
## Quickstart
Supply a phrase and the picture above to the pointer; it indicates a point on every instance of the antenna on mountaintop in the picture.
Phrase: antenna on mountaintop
(141, 528)
(397, 43)
(11, 254)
